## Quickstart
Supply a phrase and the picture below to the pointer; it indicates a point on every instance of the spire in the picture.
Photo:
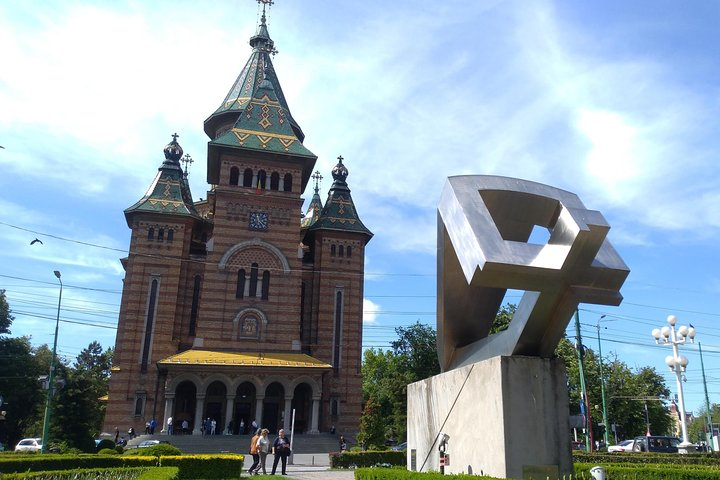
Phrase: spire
(258, 68)
(169, 193)
(315, 207)
(339, 211)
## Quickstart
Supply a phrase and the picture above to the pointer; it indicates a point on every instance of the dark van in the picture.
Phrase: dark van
(656, 444)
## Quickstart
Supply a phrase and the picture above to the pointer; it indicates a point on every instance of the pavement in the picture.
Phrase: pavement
(309, 466)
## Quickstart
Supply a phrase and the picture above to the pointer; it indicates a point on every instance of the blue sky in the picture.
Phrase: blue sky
(615, 101)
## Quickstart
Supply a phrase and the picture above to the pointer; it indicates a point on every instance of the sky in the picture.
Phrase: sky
(614, 101)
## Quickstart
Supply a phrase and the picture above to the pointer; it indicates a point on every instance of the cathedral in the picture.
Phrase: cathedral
(239, 307)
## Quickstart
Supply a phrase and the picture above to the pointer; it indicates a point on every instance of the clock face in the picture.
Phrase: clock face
(258, 220)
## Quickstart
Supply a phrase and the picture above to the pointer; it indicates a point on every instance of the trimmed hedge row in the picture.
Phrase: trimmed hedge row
(220, 466)
(84, 474)
(161, 473)
(647, 458)
(385, 458)
(399, 474)
(657, 471)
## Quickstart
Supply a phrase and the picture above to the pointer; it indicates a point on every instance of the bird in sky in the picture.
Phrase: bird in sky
(37, 240)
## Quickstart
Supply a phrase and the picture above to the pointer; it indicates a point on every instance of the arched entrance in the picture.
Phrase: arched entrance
(273, 406)
(302, 403)
(185, 398)
(244, 408)
(214, 403)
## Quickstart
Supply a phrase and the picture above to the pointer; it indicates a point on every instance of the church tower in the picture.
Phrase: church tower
(236, 308)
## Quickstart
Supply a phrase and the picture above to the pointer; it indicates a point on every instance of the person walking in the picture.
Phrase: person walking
(281, 451)
(185, 427)
(170, 426)
(343, 443)
(254, 452)
(263, 447)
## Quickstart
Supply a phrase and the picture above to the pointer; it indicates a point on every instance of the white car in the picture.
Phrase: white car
(624, 446)
(29, 445)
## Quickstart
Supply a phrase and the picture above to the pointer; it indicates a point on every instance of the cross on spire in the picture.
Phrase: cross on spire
(317, 177)
(187, 160)
(175, 137)
(340, 158)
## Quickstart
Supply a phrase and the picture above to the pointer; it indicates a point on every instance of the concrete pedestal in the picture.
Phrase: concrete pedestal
(506, 417)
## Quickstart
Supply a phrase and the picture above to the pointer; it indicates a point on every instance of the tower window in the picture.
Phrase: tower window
(337, 333)
(253, 280)
(151, 233)
(349, 251)
(171, 235)
(194, 307)
(265, 285)
(234, 176)
(149, 321)
(332, 250)
(287, 183)
(247, 178)
(341, 251)
(261, 179)
(161, 235)
(240, 289)
(275, 181)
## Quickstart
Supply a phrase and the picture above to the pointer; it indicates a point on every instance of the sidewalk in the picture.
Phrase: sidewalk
(309, 466)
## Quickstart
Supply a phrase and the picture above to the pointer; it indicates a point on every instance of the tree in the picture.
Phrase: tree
(372, 426)
(6, 318)
(416, 346)
(698, 428)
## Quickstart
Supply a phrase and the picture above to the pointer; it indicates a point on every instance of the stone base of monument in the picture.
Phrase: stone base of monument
(506, 417)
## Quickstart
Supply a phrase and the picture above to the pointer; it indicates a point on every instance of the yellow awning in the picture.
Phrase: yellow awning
(244, 359)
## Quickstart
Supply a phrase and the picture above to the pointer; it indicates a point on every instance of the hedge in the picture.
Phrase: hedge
(647, 458)
(206, 466)
(161, 473)
(86, 474)
(399, 474)
(385, 458)
(53, 462)
(658, 471)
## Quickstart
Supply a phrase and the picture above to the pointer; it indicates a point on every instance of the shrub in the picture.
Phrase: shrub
(399, 474)
(119, 449)
(206, 466)
(159, 450)
(367, 459)
(105, 444)
(108, 451)
(161, 473)
(657, 471)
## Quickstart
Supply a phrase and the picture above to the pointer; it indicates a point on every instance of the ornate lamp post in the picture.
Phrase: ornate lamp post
(51, 377)
(678, 363)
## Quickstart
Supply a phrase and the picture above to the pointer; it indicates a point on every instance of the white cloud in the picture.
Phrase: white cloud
(370, 312)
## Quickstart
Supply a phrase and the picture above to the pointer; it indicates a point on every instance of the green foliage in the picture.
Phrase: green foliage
(698, 428)
(398, 474)
(161, 473)
(87, 474)
(6, 317)
(52, 462)
(372, 425)
(105, 443)
(206, 466)
(369, 458)
(657, 471)
(108, 451)
(159, 450)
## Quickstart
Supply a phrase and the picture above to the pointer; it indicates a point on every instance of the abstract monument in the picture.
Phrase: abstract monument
(504, 394)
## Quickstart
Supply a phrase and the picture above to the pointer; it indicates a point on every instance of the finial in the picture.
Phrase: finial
(187, 161)
(340, 159)
(340, 172)
(173, 151)
(317, 177)
(175, 137)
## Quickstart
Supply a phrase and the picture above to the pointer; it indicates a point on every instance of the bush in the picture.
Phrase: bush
(85, 474)
(119, 449)
(108, 451)
(206, 466)
(161, 473)
(105, 444)
(367, 459)
(159, 450)
(658, 471)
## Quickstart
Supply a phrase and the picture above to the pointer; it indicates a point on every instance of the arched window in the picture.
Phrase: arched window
(332, 250)
(265, 285)
(161, 235)
(234, 176)
(349, 251)
(139, 402)
(194, 306)
(261, 179)
(337, 331)
(287, 183)
(341, 251)
(247, 178)
(149, 321)
(240, 288)
(151, 234)
(253, 280)
(275, 181)
(171, 235)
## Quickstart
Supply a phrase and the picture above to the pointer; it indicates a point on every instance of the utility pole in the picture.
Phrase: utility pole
(581, 356)
(709, 435)
(602, 387)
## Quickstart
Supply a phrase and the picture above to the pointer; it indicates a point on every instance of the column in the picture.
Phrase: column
(288, 414)
(199, 405)
(228, 412)
(169, 404)
(315, 415)
(259, 399)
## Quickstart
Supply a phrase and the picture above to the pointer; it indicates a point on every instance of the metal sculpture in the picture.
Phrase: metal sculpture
(484, 224)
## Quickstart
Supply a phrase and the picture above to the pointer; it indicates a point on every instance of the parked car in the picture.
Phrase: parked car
(399, 446)
(29, 445)
(656, 444)
(624, 446)
(150, 443)
(578, 445)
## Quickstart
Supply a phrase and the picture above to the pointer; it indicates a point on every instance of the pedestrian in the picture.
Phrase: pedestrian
(185, 427)
(206, 426)
(147, 427)
(263, 447)
(170, 426)
(153, 425)
(254, 426)
(213, 426)
(281, 451)
(242, 426)
(131, 433)
(343, 444)
(254, 452)
(230, 427)
(117, 435)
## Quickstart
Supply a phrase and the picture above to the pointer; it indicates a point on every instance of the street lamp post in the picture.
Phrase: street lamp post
(51, 377)
(677, 363)
(602, 387)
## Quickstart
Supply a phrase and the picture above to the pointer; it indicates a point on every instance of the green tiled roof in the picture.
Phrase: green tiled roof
(264, 126)
(169, 192)
(339, 211)
(257, 69)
